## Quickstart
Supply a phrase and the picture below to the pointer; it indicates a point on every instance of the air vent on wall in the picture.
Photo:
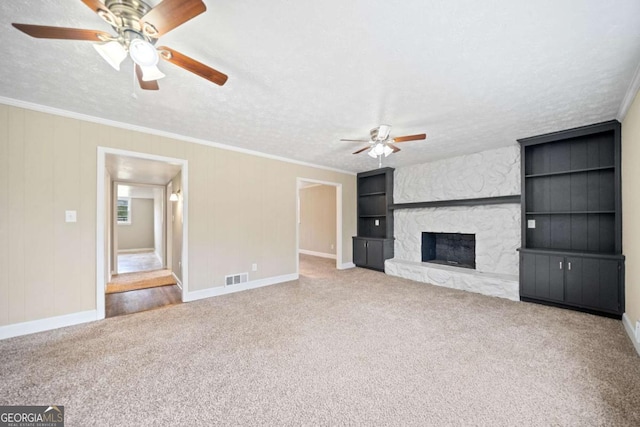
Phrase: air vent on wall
(234, 279)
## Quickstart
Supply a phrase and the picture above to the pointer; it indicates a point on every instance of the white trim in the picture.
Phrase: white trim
(346, 266)
(253, 284)
(178, 281)
(338, 186)
(629, 96)
(629, 328)
(100, 220)
(47, 324)
(319, 254)
(138, 250)
(79, 116)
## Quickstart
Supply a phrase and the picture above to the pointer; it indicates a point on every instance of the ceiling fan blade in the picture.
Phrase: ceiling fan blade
(190, 64)
(170, 14)
(393, 147)
(410, 138)
(355, 140)
(361, 150)
(94, 5)
(150, 85)
(44, 32)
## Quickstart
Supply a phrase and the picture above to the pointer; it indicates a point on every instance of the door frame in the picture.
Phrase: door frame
(102, 273)
(338, 187)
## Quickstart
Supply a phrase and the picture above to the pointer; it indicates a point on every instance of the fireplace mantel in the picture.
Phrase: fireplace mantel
(459, 202)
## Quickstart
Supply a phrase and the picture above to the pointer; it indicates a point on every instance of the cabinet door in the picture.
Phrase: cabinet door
(359, 251)
(375, 258)
(594, 283)
(543, 276)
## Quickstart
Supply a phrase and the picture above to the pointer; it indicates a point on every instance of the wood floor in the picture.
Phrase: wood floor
(141, 300)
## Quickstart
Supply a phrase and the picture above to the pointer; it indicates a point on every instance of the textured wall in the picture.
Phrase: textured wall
(487, 174)
(497, 227)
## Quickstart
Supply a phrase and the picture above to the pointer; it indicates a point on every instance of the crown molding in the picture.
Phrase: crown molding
(87, 118)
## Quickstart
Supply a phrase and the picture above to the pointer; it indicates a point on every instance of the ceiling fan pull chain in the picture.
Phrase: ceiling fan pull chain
(134, 95)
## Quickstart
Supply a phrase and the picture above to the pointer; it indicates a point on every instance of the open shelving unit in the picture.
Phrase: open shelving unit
(374, 242)
(571, 252)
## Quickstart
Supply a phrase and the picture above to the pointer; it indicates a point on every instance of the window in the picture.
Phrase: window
(124, 210)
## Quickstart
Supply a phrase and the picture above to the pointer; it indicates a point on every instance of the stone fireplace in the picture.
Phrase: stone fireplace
(456, 249)
(423, 243)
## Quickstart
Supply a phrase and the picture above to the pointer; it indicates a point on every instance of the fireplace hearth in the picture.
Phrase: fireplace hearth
(455, 249)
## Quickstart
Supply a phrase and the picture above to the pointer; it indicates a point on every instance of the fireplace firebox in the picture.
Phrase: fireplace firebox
(454, 249)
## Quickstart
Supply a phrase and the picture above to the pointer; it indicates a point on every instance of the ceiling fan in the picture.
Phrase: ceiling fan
(138, 27)
(381, 144)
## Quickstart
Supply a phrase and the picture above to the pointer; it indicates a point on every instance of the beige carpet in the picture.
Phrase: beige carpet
(350, 347)
(141, 280)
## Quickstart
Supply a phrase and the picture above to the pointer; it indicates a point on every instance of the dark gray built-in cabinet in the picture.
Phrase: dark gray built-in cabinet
(571, 254)
(374, 242)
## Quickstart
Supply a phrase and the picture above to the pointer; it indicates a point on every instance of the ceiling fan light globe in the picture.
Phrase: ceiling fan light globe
(379, 149)
(143, 53)
(372, 153)
(387, 150)
(112, 52)
(152, 73)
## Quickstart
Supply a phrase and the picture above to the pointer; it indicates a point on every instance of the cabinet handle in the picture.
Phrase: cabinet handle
(569, 266)
(560, 265)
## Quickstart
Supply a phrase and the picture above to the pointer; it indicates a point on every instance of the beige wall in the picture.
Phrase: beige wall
(140, 233)
(242, 210)
(318, 219)
(631, 209)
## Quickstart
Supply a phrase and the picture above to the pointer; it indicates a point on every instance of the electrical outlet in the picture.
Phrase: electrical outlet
(254, 267)
(70, 216)
(333, 246)
(638, 331)
(377, 223)
(531, 223)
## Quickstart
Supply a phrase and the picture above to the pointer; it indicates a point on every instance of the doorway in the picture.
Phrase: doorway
(141, 197)
(139, 238)
(319, 223)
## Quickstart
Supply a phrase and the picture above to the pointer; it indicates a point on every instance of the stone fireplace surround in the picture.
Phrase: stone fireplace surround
(488, 174)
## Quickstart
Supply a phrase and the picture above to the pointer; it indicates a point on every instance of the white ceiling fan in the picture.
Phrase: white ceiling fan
(381, 144)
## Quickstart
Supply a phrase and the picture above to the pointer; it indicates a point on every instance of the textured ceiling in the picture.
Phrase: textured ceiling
(472, 75)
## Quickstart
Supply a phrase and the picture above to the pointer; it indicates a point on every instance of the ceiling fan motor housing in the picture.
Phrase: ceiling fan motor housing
(381, 133)
(127, 15)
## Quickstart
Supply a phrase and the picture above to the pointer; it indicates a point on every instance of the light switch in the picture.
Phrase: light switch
(531, 223)
(70, 216)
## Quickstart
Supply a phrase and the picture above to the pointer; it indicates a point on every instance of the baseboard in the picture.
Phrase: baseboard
(135, 251)
(346, 265)
(178, 282)
(223, 290)
(630, 331)
(47, 324)
(319, 254)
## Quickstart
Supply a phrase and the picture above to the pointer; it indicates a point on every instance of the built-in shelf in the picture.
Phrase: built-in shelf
(460, 202)
(377, 193)
(601, 168)
(571, 213)
(571, 256)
